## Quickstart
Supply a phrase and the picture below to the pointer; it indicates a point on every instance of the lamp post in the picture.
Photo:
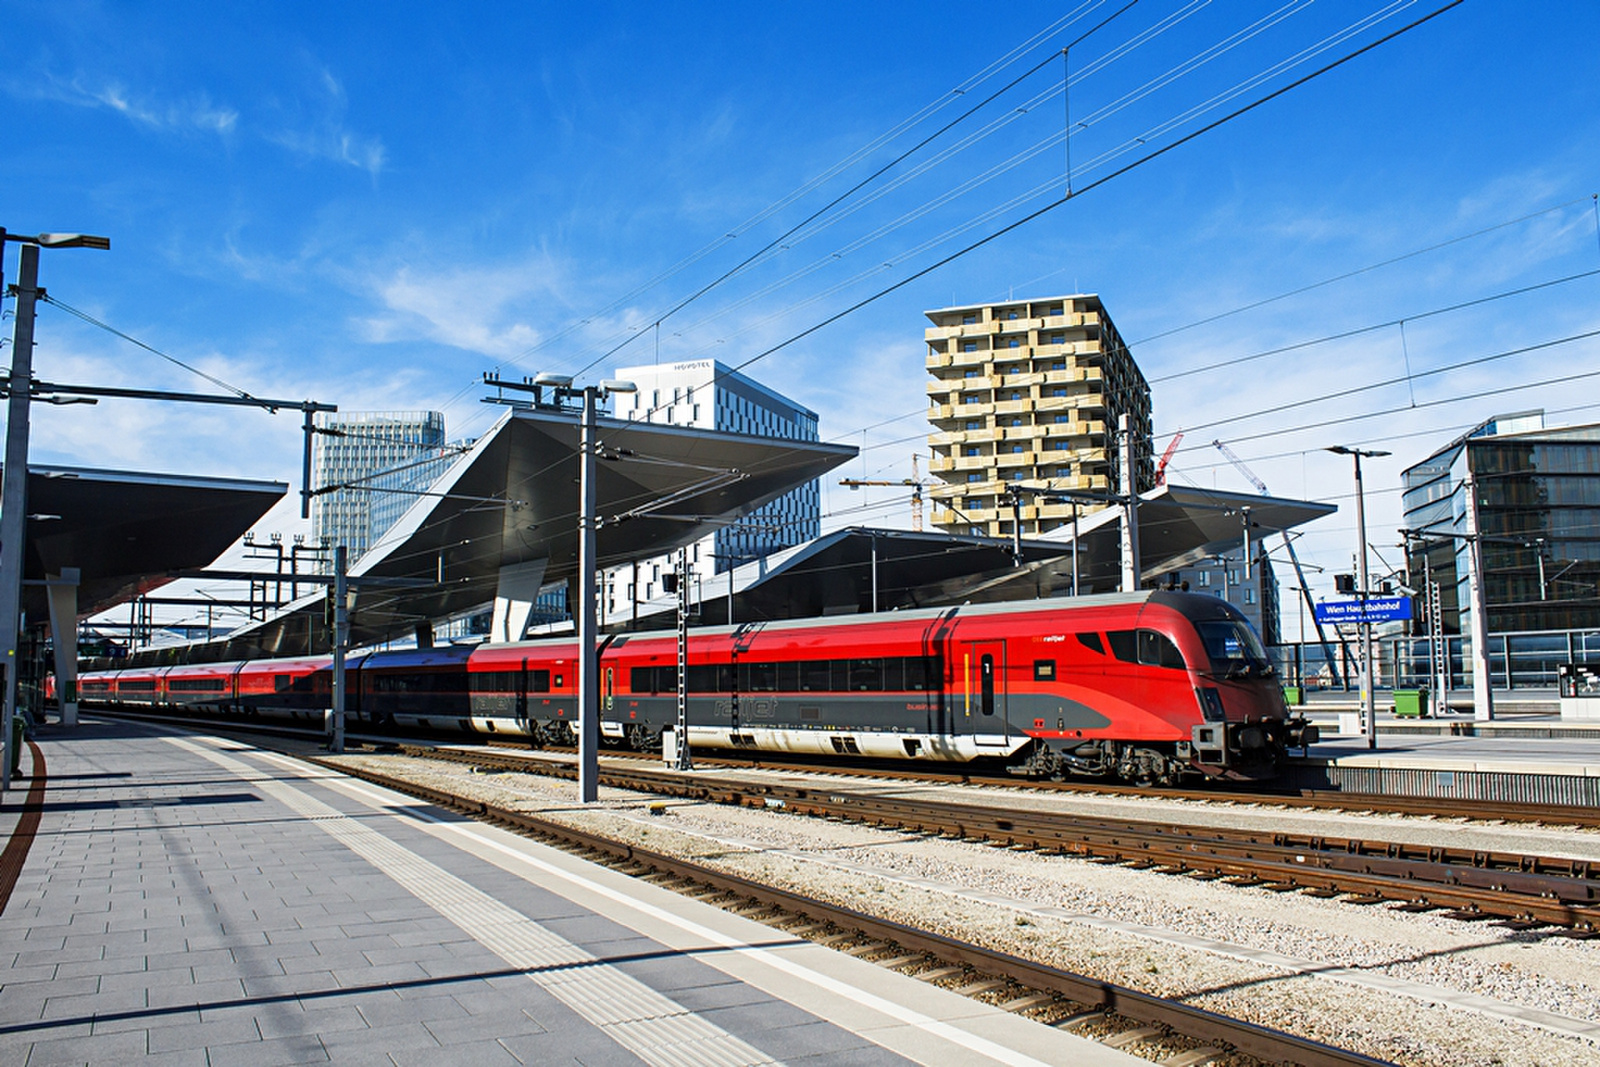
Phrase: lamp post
(583, 611)
(1368, 697)
(14, 478)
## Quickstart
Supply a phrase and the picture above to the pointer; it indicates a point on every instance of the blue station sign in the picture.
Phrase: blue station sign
(1378, 609)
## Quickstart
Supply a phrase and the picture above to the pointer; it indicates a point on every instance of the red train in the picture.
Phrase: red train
(1147, 687)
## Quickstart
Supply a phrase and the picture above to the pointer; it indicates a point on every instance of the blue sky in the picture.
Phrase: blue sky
(371, 205)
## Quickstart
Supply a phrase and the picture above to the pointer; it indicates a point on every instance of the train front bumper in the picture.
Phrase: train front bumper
(1250, 750)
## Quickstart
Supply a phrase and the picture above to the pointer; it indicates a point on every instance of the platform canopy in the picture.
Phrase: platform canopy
(126, 532)
(503, 521)
(849, 570)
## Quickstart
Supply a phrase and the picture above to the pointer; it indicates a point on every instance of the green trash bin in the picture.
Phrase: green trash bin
(18, 725)
(1410, 703)
(1294, 695)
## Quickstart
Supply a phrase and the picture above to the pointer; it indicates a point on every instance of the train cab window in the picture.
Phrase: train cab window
(1157, 650)
(1124, 645)
(1044, 670)
(1091, 641)
(643, 680)
(866, 675)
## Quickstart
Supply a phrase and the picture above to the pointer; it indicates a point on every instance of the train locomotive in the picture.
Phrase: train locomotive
(1148, 687)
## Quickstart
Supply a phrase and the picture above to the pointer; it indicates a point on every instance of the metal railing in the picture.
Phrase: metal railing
(1522, 660)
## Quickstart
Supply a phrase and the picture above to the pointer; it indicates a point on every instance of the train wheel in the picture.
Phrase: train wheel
(1144, 767)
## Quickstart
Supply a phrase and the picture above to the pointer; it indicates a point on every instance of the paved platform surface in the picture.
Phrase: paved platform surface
(1529, 744)
(196, 901)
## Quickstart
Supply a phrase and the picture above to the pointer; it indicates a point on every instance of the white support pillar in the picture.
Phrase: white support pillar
(63, 596)
(514, 596)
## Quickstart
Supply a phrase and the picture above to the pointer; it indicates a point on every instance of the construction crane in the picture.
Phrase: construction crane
(1161, 468)
(915, 482)
(1305, 593)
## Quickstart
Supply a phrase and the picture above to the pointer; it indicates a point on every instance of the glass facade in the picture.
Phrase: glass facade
(1537, 498)
(382, 459)
(713, 396)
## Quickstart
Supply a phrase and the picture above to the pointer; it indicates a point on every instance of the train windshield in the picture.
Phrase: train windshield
(1234, 650)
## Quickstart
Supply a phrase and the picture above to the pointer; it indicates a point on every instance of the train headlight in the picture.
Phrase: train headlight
(1210, 704)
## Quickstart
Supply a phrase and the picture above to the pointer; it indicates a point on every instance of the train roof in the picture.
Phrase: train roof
(1194, 606)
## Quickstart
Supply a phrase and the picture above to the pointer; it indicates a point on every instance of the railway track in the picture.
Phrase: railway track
(1305, 799)
(1115, 1015)
(1467, 884)
(1308, 800)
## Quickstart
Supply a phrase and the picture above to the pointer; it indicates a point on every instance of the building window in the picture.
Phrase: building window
(1249, 596)
(974, 477)
(969, 346)
(969, 319)
(972, 450)
(1203, 579)
(972, 372)
(1013, 342)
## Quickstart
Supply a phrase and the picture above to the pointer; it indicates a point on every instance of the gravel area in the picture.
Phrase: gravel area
(1410, 988)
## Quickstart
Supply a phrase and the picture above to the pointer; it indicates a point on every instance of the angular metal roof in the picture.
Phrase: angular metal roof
(513, 499)
(835, 573)
(126, 531)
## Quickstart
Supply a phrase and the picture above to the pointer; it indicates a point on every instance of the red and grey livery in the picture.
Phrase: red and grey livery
(1147, 687)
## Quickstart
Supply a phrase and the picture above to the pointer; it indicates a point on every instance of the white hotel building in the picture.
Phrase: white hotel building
(709, 395)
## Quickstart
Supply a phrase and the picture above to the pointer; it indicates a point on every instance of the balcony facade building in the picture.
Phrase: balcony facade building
(1029, 394)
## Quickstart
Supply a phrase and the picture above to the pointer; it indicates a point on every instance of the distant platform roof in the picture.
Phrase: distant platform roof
(836, 573)
(513, 500)
(126, 531)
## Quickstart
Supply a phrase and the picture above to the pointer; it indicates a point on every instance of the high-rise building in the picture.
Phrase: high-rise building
(1537, 503)
(707, 394)
(1029, 392)
(380, 460)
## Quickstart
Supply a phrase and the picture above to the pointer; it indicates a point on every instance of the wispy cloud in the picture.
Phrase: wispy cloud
(196, 112)
(326, 136)
(487, 309)
(322, 135)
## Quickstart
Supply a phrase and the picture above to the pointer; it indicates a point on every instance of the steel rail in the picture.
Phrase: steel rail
(1477, 884)
(1249, 1038)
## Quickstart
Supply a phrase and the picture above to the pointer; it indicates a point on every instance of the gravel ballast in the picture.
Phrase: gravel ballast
(1411, 988)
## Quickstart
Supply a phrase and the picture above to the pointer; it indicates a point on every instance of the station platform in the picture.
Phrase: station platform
(188, 900)
(1526, 753)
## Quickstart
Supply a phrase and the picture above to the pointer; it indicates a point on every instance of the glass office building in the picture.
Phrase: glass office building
(1537, 501)
(379, 461)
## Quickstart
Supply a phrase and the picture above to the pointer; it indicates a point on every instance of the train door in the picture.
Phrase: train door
(983, 698)
(519, 696)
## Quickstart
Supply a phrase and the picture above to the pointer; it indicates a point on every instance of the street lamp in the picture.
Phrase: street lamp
(1368, 697)
(584, 611)
(14, 478)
